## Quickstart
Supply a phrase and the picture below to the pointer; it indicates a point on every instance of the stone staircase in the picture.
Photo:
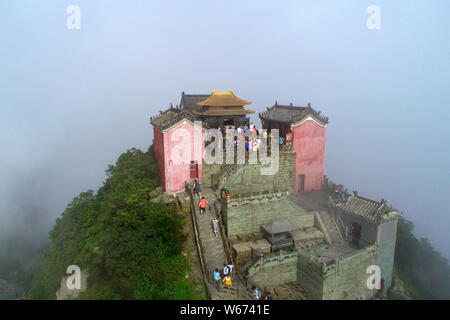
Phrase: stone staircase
(213, 251)
(331, 227)
(212, 246)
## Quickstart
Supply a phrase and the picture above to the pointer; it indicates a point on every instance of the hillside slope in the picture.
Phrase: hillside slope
(131, 246)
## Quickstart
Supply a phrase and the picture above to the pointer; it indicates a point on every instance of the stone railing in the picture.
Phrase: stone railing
(225, 241)
(208, 280)
(271, 260)
(324, 270)
(343, 229)
(321, 225)
(256, 197)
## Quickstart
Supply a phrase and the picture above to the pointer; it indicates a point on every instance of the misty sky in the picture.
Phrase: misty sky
(72, 101)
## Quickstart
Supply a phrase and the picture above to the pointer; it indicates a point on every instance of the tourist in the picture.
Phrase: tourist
(197, 188)
(265, 134)
(239, 130)
(245, 128)
(227, 280)
(246, 144)
(225, 270)
(258, 143)
(217, 278)
(230, 268)
(203, 204)
(267, 296)
(256, 292)
(337, 193)
(281, 141)
(215, 225)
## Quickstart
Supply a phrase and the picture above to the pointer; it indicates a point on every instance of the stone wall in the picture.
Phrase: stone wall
(208, 171)
(345, 279)
(369, 229)
(251, 180)
(274, 270)
(350, 280)
(386, 251)
(371, 232)
(245, 215)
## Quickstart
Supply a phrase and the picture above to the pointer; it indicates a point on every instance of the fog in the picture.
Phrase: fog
(72, 101)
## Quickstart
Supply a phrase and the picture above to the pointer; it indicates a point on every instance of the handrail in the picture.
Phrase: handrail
(337, 228)
(322, 226)
(343, 226)
(197, 238)
(224, 239)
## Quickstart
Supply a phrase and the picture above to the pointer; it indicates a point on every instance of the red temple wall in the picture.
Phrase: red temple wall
(309, 145)
(158, 147)
(174, 151)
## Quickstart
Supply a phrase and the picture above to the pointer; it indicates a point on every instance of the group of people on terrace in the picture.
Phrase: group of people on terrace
(251, 141)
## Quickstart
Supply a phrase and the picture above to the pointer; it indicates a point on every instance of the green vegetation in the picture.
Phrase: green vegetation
(425, 273)
(130, 246)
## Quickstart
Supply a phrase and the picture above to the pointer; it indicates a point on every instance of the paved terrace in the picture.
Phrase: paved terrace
(329, 253)
(312, 201)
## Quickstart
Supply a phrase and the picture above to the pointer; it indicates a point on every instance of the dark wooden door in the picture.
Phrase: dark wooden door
(301, 183)
(356, 233)
(194, 169)
(382, 284)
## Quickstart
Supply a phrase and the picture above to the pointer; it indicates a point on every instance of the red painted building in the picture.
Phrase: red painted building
(307, 128)
(179, 132)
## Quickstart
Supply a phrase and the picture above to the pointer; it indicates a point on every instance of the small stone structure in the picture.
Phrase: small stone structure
(278, 234)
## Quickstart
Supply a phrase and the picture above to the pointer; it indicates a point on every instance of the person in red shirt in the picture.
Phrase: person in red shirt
(203, 204)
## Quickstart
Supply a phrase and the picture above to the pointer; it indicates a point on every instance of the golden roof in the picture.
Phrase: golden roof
(223, 99)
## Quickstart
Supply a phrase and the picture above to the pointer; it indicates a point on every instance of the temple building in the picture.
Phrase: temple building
(305, 129)
(175, 133)
(302, 127)
(288, 229)
(218, 109)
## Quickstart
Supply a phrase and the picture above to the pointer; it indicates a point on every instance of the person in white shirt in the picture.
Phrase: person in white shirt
(258, 142)
(230, 268)
(225, 270)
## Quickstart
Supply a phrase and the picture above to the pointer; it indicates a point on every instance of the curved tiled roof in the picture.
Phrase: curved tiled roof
(291, 114)
(171, 117)
(223, 99)
(368, 209)
(189, 101)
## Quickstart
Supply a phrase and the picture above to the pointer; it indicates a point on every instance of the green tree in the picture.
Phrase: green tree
(130, 246)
